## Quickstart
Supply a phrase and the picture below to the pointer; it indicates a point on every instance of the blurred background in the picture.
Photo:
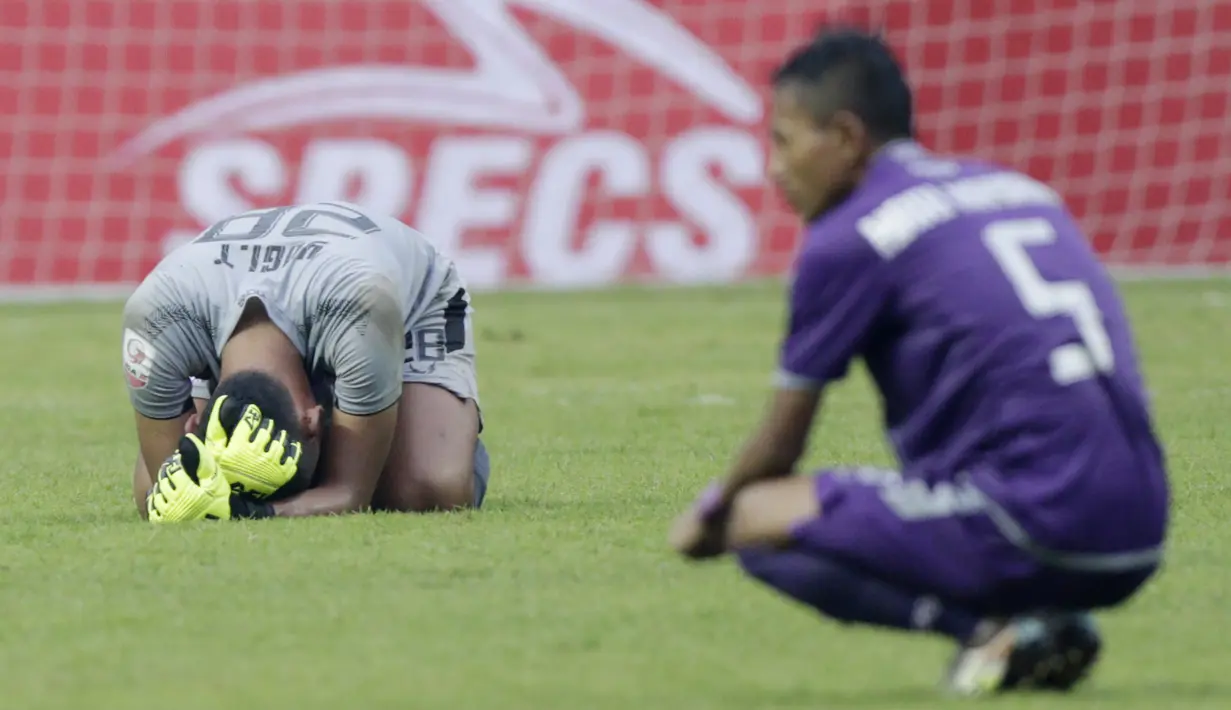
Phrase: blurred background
(551, 143)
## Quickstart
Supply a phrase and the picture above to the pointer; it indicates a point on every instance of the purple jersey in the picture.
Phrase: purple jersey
(996, 339)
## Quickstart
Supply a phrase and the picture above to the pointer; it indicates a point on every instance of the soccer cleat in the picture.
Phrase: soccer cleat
(1052, 652)
(1079, 643)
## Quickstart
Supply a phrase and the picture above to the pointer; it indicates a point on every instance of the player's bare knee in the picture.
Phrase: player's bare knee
(445, 490)
(767, 513)
(425, 490)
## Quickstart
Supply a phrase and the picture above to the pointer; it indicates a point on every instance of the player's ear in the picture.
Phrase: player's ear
(310, 421)
(852, 131)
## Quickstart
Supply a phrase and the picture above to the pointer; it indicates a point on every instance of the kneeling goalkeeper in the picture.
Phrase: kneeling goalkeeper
(306, 360)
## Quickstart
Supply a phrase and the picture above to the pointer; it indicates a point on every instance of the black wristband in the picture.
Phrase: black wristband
(244, 507)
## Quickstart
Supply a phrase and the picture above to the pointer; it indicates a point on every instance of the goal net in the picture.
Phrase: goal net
(559, 142)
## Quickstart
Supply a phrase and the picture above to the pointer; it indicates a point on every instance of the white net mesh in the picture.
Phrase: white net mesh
(622, 126)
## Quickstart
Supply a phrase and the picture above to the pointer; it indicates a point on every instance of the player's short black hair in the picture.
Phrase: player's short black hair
(847, 69)
(259, 388)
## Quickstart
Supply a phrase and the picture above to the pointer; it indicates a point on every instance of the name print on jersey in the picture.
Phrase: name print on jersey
(265, 258)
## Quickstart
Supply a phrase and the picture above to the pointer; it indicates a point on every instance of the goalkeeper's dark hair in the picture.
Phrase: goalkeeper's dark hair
(259, 388)
(848, 69)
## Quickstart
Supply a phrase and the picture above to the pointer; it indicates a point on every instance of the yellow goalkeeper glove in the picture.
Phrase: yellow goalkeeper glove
(255, 458)
(191, 487)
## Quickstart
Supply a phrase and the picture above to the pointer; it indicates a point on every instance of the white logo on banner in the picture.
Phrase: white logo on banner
(514, 86)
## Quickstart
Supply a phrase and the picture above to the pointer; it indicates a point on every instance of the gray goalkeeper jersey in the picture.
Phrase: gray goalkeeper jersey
(342, 285)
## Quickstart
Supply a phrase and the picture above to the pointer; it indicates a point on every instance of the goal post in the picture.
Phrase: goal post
(559, 143)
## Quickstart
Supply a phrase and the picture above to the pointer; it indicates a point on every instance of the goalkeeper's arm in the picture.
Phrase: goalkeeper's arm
(367, 390)
(356, 450)
(157, 440)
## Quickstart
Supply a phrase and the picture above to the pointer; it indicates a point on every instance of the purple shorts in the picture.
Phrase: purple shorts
(939, 541)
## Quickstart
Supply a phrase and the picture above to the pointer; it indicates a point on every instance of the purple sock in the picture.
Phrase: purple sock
(847, 595)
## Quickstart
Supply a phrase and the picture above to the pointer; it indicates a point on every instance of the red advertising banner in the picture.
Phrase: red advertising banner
(573, 142)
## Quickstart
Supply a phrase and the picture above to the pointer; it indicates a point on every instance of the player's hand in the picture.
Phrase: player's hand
(255, 458)
(189, 487)
(700, 532)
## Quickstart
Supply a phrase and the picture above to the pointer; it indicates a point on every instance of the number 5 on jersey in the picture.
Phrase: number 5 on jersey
(1008, 241)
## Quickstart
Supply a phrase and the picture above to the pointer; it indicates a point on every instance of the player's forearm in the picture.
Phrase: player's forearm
(142, 483)
(355, 456)
(326, 500)
(762, 457)
(780, 442)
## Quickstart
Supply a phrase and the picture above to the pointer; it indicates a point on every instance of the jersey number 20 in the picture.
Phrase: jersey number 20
(263, 222)
(1008, 241)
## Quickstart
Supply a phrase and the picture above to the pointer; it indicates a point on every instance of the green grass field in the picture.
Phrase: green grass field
(607, 412)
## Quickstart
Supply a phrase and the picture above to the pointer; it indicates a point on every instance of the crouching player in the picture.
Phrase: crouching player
(322, 358)
(1032, 488)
